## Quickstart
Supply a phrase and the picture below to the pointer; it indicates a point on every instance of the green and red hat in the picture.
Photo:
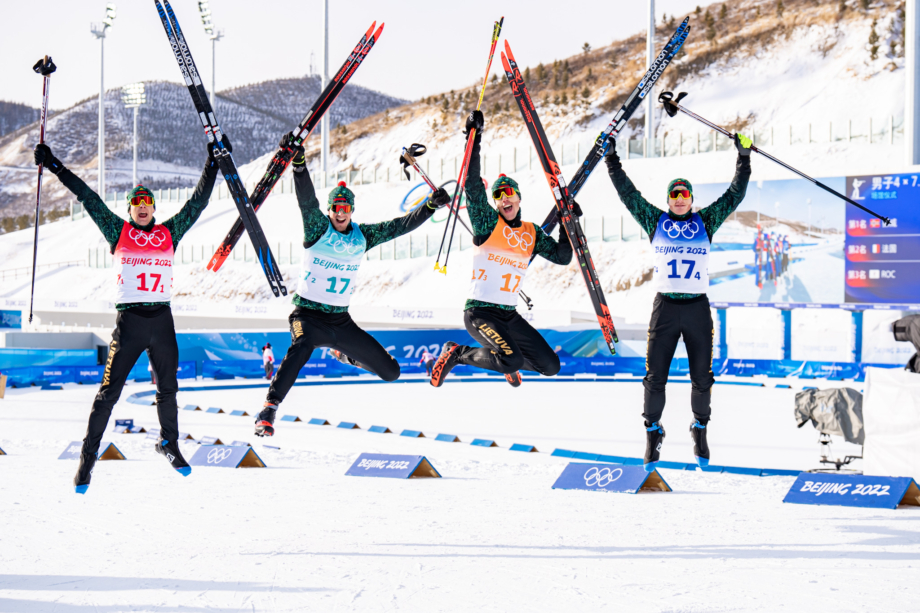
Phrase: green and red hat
(505, 181)
(140, 194)
(680, 184)
(341, 195)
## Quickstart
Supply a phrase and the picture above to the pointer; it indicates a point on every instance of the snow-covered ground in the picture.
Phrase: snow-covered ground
(490, 536)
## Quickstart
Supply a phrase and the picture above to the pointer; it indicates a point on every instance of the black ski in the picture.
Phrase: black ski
(284, 155)
(224, 158)
(560, 194)
(602, 143)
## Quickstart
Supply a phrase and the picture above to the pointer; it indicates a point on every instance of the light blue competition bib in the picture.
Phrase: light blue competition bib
(329, 268)
(681, 255)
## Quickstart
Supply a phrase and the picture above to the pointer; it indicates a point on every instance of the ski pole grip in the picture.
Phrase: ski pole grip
(670, 103)
(44, 66)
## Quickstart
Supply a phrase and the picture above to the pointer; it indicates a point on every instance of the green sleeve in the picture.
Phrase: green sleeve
(108, 222)
(716, 213)
(379, 233)
(642, 211)
(314, 222)
(482, 216)
(556, 251)
(181, 222)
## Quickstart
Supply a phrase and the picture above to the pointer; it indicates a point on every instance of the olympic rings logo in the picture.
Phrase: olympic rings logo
(517, 239)
(602, 477)
(687, 229)
(218, 455)
(155, 239)
(340, 246)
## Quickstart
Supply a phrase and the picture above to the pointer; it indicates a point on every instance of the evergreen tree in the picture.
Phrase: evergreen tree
(873, 41)
(565, 98)
(710, 27)
(541, 73)
(527, 75)
(586, 48)
(723, 13)
(780, 8)
(842, 7)
(585, 93)
(864, 5)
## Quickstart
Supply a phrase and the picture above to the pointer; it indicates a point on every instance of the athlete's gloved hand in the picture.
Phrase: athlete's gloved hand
(743, 145)
(612, 159)
(576, 208)
(438, 198)
(43, 156)
(299, 161)
(475, 120)
(213, 146)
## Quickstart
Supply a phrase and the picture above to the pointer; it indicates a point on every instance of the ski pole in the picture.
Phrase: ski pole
(408, 159)
(470, 138)
(671, 106)
(44, 67)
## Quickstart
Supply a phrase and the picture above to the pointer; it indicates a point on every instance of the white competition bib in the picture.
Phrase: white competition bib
(144, 262)
(330, 267)
(500, 263)
(681, 255)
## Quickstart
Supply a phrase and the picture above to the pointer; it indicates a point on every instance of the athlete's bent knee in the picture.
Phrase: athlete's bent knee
(390, 372)
(552, 368)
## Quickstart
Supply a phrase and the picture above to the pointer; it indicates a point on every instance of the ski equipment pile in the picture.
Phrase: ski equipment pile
(563, 199)
(285, 154)
(44, 67)
(221, 154)
(672, 106)
(470, 138)
(602, 143)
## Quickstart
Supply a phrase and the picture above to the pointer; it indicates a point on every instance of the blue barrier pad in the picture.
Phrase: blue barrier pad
(239, 414)
(52, 386)
(209, 440)
(779, 472)
(240, 444)
(525, 448)
(290, 418)
(108, 451)
(72, 452)
(412, 434)
(605, 478)
(448, 438)
(614, 459)
(482, 442)
(191, 407)
(128, 423)
(581, 455)
(853, 491)
(184, 436)
(563, 453)
(392, 466)
(349, 425)
(153, 433)
(142, 398)
(226, 456)
(680, 466)
(380, 430)
(738, 470)
(318, 421)
(215, 410)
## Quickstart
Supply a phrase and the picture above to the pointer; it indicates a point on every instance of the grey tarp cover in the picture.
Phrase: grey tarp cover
(907, 329)
(834, 411)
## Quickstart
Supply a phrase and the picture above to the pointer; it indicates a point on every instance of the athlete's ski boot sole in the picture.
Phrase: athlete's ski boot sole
(170, 451)
(700, 445)
(446, 361)
(654, 434)
(513, 378)
(266, 419)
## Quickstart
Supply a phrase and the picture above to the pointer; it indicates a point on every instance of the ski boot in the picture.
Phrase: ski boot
(266, 419)
(446, 361)
(344, 359)
(700, 446)
(654, 436)
(84, 472)
(514, 378)
(170, 451)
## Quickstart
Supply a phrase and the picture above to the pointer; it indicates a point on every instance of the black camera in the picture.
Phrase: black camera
(907, 330)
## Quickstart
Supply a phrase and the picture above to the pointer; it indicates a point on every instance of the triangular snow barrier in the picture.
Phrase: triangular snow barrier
(210, 440)
(482, 442)
(226, 456)
(349, 425)
(191, 407)
(447, 438)
(526, 448)
(239, 414)
(412, 434)
(392, 466)
(606, 478)
(215, 410)
(853, 491)
(111, 452)
(290, 418)
(380, 430)
(319, 421)
(2, 452)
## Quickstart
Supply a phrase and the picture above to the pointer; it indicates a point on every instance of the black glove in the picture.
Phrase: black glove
(299, 161)
(475, 120)
(577, 209)
(438, 198)
(612, 159)
(43, 156)
(212, 146)
(743, 145)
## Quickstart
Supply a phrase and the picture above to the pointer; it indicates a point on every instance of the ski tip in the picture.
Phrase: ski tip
(508, 49)
(505, 64)
(686, 20)
(81, 489)
(378, 32)
(185, 471)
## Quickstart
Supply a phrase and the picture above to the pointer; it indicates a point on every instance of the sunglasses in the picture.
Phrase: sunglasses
(139, 200)
(341, 208)
(506, 190)
(680, 193)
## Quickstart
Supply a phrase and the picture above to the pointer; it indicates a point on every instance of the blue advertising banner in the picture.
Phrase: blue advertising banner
(853, 491)
(108, 451)
(10, 319)
(883, 262)
(392, 466)
(226, 456)
(607, 478)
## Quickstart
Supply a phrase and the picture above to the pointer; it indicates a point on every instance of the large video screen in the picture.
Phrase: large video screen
(883, 262)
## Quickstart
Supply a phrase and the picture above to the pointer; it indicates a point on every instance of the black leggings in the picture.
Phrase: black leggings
(136, 330)
(509, 343)
(672, 319)
(311, 329)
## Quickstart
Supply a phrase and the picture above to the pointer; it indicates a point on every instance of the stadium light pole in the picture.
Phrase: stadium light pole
(215, 35)
(324, 122)
(98, 30)
(650, 96)
(134, 96)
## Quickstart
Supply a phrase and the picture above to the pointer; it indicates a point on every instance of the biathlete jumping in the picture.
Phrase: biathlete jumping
(143, 252)
(504, 246)
(682, 241)
(334, 247)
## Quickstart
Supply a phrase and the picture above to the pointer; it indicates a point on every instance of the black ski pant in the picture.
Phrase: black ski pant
(136, 330)
(508, 342)
(672, 319)
(310, 329)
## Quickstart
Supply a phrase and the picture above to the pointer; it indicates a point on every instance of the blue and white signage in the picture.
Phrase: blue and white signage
(226, 456)
(392, 466)
(108, 451)
(853, 491)
(609, 478)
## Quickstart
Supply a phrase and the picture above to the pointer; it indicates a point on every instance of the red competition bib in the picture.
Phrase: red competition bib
(143, 261)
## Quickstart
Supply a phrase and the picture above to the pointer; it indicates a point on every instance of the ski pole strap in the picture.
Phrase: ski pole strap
(44, 66)
(409, 154)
